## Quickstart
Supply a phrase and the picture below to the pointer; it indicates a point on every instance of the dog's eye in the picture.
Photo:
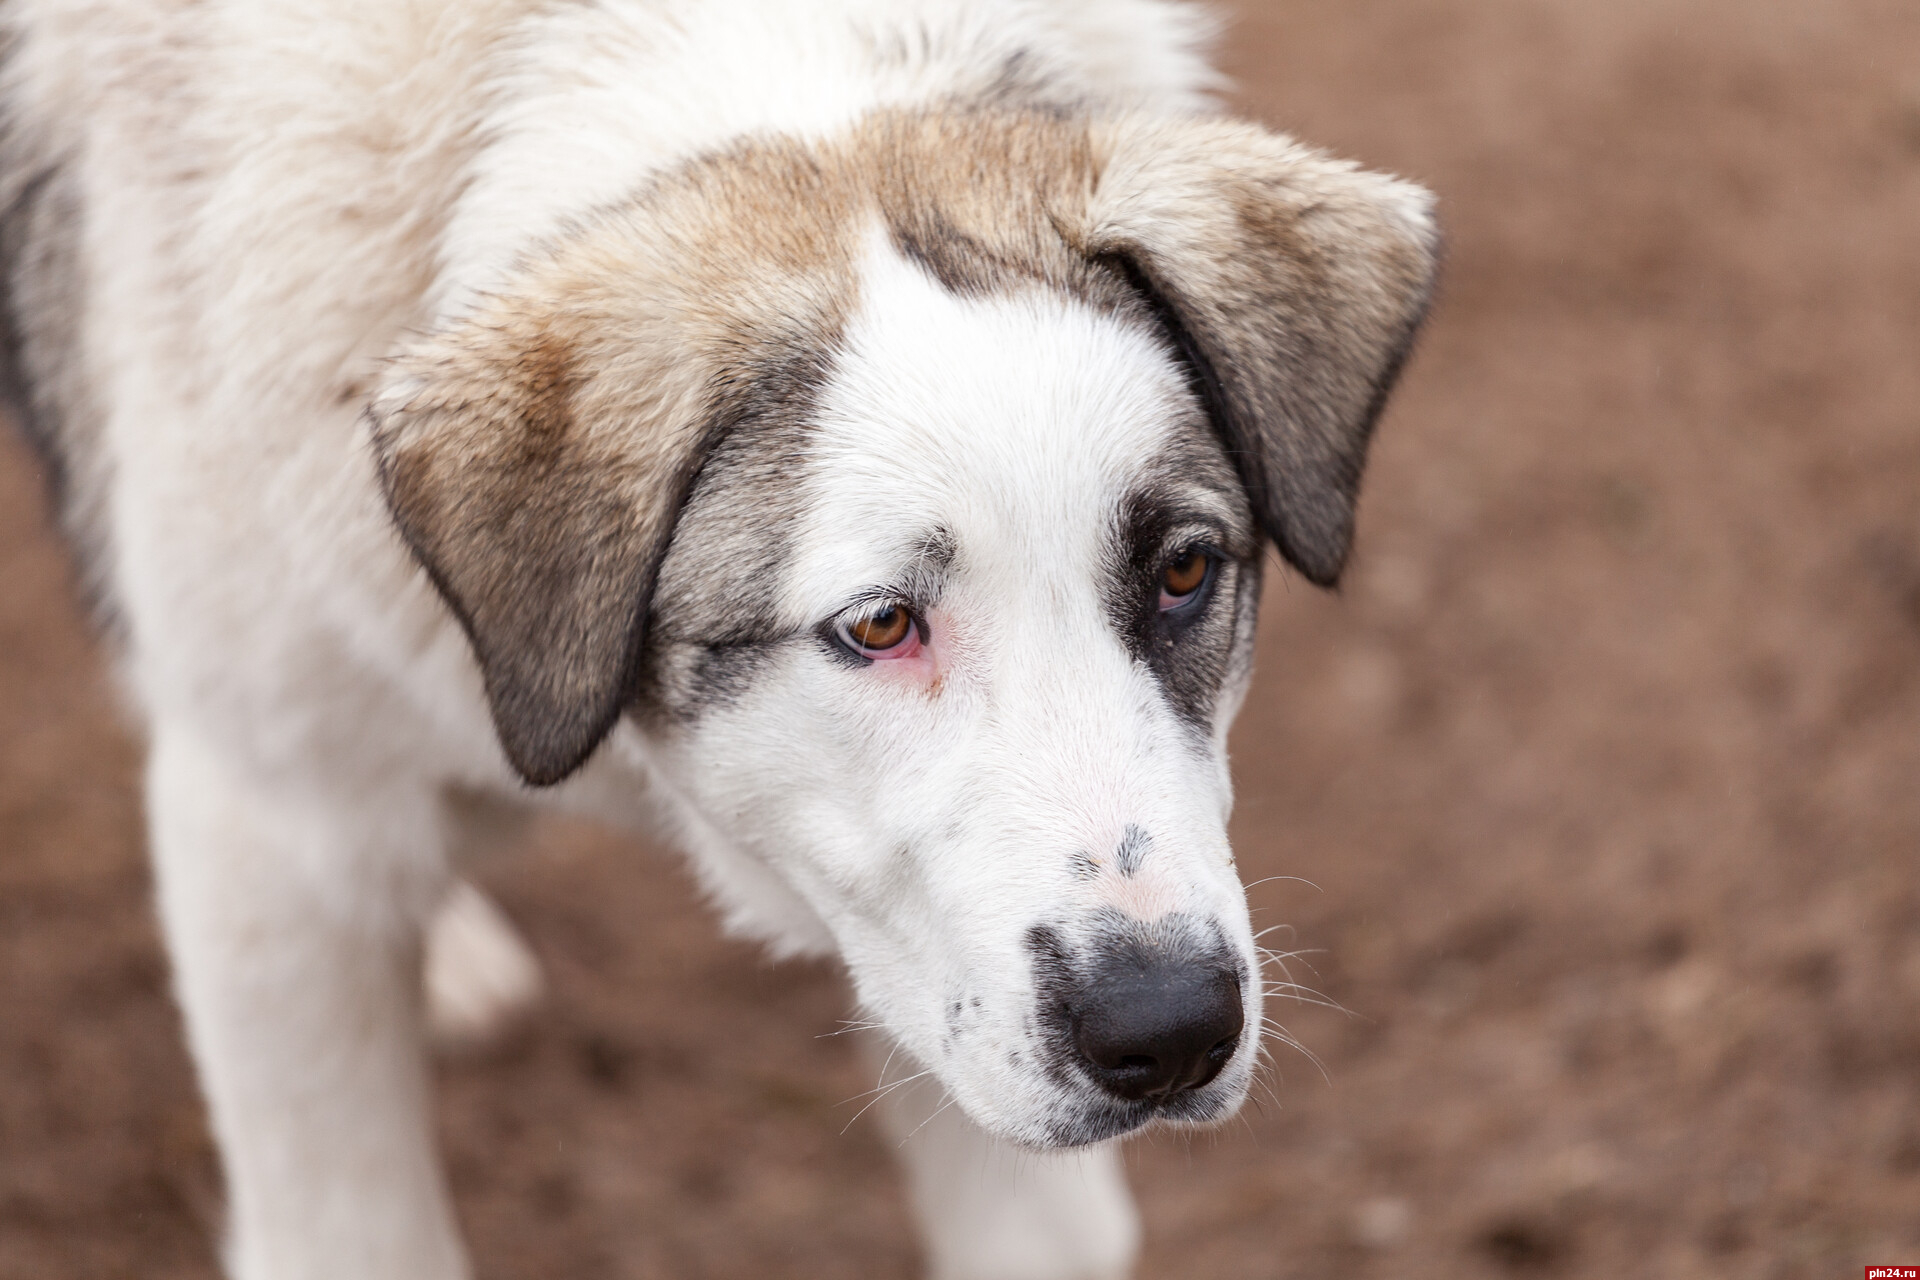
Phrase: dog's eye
(890, 633)
(1183, 577)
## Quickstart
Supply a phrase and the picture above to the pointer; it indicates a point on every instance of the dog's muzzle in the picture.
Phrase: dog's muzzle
(1148, 1013)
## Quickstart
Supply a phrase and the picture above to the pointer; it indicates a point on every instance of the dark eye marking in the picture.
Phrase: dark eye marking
(1178, 576)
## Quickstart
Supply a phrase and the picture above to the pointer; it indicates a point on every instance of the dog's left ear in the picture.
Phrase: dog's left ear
(1291, 281)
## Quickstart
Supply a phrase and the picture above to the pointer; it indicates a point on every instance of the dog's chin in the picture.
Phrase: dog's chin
(1106, 1119)
(1087, 1117)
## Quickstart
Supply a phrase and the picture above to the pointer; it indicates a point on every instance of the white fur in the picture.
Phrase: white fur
(277, 191)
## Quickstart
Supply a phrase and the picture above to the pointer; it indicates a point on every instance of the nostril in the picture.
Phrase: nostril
(1148, 1027)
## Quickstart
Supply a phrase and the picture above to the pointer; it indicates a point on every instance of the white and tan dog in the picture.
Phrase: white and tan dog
(843, 432)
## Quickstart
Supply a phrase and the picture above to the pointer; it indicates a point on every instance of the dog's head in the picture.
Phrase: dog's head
(908, 493)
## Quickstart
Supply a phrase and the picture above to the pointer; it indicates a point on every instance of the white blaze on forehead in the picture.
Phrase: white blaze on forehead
(1013, 422)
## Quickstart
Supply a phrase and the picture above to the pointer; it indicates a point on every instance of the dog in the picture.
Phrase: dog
(840, 434)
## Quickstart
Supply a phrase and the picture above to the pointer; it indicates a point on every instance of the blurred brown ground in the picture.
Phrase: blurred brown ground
(1606, 764)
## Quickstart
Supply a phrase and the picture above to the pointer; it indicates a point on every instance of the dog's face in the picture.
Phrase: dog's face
(954, 651)
(922, 535)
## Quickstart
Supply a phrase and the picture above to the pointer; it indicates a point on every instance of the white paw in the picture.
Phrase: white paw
(480, 977)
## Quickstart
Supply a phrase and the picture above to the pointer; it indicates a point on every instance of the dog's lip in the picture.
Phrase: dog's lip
(1102, 1118)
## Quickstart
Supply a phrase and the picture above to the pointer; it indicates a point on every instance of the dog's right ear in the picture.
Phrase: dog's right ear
(535, 458)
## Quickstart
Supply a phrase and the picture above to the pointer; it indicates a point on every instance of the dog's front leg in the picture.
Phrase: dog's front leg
(991, 1211)
(293, 920)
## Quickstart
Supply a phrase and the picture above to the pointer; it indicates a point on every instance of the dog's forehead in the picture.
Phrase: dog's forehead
(1010, 422)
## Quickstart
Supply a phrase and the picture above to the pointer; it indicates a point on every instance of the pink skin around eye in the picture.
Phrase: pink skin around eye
(916, 662)
(1170, 601)
(906, 649)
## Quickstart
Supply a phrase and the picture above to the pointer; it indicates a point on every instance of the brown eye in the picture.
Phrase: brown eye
(879, 633)
(1182, 577)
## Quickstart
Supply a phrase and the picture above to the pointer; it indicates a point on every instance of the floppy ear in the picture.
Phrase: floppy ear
(1292, 283)
(537, 469)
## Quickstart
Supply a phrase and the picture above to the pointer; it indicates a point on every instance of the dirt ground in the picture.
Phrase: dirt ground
(1604, 768)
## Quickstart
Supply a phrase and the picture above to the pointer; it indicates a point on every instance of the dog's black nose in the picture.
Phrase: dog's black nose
(1150, 1026)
